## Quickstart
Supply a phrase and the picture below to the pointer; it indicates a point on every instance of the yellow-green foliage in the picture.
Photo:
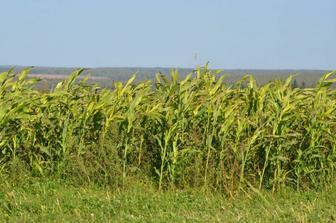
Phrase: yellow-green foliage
(191, 132)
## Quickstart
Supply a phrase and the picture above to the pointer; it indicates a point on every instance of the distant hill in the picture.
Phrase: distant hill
(303, 77)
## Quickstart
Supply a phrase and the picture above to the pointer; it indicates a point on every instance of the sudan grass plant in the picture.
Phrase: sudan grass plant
(191, 132)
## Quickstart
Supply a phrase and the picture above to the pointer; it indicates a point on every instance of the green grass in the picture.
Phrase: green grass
(37, 200)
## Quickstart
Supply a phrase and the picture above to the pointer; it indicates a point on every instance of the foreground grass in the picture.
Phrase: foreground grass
(55, 201)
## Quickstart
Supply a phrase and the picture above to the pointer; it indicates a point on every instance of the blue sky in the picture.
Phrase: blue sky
(258, 34)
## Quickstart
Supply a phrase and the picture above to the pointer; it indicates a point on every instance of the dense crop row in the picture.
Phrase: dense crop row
(191, 132)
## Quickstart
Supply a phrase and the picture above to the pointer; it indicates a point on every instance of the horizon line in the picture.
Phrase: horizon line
(160, 67)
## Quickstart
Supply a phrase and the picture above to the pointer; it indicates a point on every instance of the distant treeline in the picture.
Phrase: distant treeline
(302, 78)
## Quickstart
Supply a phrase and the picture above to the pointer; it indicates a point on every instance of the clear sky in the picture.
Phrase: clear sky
(247, 34)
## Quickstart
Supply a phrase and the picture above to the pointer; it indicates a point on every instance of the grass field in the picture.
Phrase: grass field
(37, 200)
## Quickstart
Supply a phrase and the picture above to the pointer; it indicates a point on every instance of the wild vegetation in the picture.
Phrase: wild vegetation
(191, 132)
(45, 200)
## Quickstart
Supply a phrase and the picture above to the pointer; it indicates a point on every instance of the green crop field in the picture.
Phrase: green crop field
(195, 133)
